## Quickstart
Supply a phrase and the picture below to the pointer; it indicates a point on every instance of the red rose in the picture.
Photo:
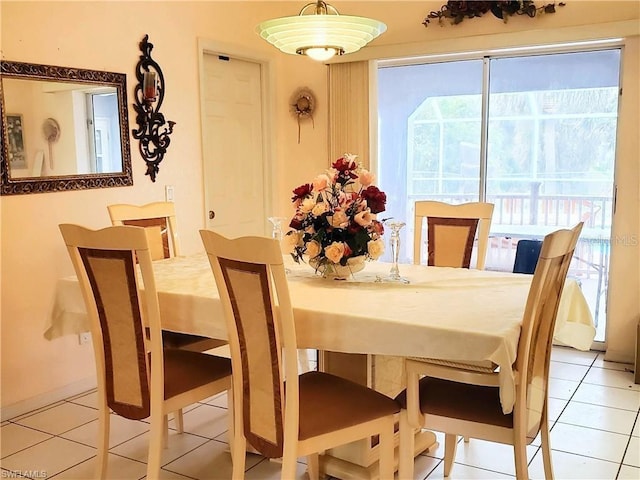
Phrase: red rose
(295, 224)
(343, 165)
(301, 192)
(376, 200)
(353, 228)
(378, 227)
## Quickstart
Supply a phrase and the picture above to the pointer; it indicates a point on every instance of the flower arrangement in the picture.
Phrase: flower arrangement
(334, 220)
(458, 10)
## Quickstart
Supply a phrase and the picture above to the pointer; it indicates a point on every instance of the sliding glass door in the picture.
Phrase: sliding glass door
(534, 134)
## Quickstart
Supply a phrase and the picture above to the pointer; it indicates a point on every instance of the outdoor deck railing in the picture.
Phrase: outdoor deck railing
(515, 214)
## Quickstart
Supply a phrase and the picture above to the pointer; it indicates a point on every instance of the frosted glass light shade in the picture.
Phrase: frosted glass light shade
(320, 36)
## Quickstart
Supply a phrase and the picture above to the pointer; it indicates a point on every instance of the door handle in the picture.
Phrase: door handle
(212, 214)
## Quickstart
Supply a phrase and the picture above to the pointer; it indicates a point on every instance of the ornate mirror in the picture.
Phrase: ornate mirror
(62, 129)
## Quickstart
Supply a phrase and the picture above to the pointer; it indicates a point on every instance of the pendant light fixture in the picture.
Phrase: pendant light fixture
(320, 32)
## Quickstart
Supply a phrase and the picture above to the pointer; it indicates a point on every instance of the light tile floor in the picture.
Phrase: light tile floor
(594, 408)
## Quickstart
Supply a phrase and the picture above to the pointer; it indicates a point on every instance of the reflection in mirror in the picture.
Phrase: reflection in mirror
(88, 132)
(63, 129)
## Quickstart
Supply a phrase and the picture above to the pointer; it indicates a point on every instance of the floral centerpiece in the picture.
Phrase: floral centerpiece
(335, 218)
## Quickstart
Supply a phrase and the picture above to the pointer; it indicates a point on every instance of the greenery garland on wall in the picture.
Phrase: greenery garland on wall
(457, 11)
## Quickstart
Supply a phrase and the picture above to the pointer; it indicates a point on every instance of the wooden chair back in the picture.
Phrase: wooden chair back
(536, 337)
(451, 232)
(251, 278)
(105, 264)
(159, 221)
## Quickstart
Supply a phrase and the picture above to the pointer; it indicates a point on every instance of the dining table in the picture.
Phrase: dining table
(450, 314)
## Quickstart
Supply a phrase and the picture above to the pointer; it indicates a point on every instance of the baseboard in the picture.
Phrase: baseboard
(25, 406)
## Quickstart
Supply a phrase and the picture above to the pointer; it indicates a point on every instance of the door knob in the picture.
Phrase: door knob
(212, 214)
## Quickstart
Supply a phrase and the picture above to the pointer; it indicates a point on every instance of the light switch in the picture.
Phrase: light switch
(169, 193)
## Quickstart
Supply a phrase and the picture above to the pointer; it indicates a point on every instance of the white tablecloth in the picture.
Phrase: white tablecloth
(444, 313)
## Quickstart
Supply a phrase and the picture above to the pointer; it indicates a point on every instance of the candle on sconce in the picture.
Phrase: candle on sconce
(150, 86)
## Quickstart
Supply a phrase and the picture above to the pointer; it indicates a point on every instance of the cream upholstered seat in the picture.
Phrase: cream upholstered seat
(462, 402)
(451, 231)
(159, 221)
(137, 377)
(305, 414)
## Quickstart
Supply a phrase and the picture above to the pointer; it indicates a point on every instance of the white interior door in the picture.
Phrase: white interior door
(234, 166)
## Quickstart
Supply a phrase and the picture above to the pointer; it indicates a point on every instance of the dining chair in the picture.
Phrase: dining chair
(462, 401)
(451, 232)
(159, 221)
(137, 377)
(307, 413)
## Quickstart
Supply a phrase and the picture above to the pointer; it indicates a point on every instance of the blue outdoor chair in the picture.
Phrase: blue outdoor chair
(527, 253)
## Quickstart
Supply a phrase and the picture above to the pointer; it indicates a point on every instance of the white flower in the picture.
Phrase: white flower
(375, 248)
(334, 252)
(307, 204)
(291, 240)
(319, 209)
(339, 219)
(313, 249)
(365, 177)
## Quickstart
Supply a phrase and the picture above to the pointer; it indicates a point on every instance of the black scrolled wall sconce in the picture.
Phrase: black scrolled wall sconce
(153, 130)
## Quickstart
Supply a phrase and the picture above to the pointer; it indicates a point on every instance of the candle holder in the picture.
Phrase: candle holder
(153, 130)
(276, 224)
(394, 243)
(276, 232)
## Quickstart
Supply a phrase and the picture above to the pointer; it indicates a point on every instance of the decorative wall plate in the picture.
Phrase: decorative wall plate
(51, 132)
(303, 104)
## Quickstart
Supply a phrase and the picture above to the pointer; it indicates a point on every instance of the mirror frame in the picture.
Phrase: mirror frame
(34, 71)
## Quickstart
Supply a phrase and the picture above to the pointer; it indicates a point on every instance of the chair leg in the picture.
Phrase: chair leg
(313, 466)
(237, 440)
(407, 446)
(238, 452)
(230, 418)
(386, 449)
(165, 431)
(178, 417)
(289, 460)
(103, 442)
(450, 446)
(156, 440)
(520, 453)
(546, 446)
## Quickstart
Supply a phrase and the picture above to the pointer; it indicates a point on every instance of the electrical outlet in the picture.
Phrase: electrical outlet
(84, 338)
(169, 193)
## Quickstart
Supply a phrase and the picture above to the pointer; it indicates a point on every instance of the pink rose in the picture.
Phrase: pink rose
(321, 183)
(339, 219)
(375, 248)
(364, 218)
(334, 252)
(366, 178)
